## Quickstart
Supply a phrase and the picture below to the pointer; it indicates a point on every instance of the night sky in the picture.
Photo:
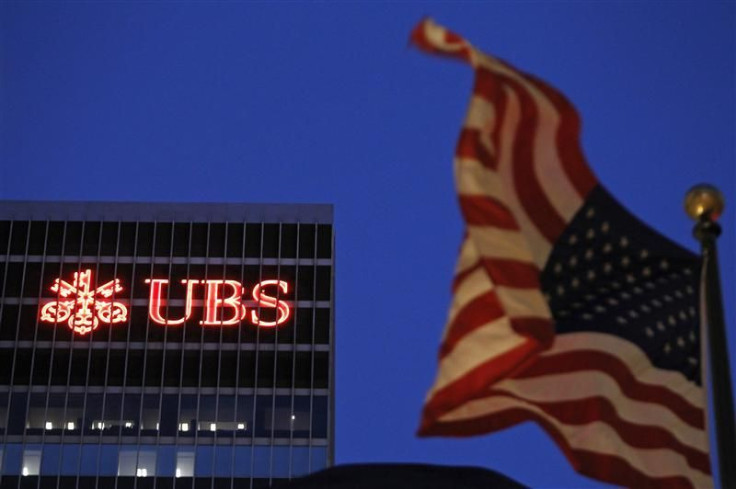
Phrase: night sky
(326, 103)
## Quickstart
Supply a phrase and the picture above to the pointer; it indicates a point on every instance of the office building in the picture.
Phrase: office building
(165, 345)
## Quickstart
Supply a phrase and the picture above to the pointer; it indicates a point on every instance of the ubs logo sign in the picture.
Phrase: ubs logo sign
(83, 308)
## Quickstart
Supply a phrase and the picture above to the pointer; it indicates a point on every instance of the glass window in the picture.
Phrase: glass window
(18, 237)
(181, 239)
(253, 240)
(216, 240)
(137, 463)
(324, 241)
(185, 463)
(306, 241)
(223, 460)
(320, 408)
(166, 461)
(31, 461)
(90, 455)
(150, 418)
(109, 238)
(207, 415)
(108, 460)
(275, 416)
(127, 462)
(262, 461)
(280, 461)
(188, 415)
(307, 459)
(71, 419)
(144, 246)
(235, 239)
(319, 459)
(93, 413)
(163, 239)
(22, 373)
(3, 411)
(169, 406)
(54, 238)
(73, 238)
(299, 461)
(91, 238)
(17, 415)
(244, 415)
(203, 461)
(50, 459)
(242, 455)
(69, 459)
(131, 409)
(11, 462)
(270, 240)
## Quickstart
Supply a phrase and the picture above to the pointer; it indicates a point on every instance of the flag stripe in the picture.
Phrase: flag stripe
(512, 273)
(499, 336)
(592, 385)
(599, 409)
(571, 156)
(470, 146)
(560, 166)
(449, 393)
(480, 210)
(533, 198)
(473, 316)
(613, 366)
(536, 243)
(494, 242)
(475, 179)
(658, 462)
(605, 466)
(635, 360)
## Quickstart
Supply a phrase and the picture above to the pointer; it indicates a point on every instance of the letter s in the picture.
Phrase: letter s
(266, 301)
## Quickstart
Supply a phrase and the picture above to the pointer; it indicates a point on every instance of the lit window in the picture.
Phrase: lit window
(185, 464)
(70, 425)
(213, 427)
(183, 426)
(128, 424)
(31, 462)
(49, 425)
(241, 426)
(132, 462)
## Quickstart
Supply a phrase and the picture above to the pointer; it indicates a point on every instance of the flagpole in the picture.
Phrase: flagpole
(704, 203)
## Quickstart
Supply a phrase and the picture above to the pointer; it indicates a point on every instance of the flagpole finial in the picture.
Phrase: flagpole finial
(704, 202)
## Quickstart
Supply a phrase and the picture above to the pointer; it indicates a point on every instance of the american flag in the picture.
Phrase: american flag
(567, 310)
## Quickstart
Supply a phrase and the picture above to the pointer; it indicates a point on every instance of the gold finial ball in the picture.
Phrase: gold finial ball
(704, 202)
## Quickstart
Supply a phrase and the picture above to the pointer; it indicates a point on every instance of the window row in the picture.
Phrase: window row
(162, 239)
(185, 415)
(161, 461)
(35, 279)
(114, 482)
(303, 325)
(171, 368)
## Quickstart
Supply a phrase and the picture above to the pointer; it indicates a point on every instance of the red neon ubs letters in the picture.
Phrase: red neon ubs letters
(223, 302)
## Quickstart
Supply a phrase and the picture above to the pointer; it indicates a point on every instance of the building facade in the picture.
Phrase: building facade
(165, 345)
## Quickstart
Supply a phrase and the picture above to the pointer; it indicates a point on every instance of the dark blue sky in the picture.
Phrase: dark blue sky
(324, 102)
